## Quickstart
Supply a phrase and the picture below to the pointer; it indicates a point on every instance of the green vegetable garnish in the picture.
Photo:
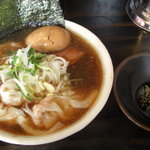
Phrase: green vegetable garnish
(36, 75)
(27, 62)
(18, 65)
(14, 60)
(11, 74)
(9, 53)
(34, 59)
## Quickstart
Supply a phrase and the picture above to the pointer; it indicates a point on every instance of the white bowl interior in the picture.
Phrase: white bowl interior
(92, 112)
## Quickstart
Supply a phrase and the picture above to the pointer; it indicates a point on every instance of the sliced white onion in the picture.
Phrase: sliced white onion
(21, 86)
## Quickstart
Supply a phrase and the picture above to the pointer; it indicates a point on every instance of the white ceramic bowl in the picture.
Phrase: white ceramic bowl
(92, 112)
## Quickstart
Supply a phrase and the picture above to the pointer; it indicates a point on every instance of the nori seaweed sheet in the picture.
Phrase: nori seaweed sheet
(19, 14)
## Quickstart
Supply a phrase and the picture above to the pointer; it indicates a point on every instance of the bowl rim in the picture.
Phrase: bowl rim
(124, 110)
(94, 110)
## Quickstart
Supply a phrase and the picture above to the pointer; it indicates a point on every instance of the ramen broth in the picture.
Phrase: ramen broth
(86, 75)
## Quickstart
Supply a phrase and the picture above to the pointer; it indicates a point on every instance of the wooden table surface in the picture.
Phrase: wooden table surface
(111, 129)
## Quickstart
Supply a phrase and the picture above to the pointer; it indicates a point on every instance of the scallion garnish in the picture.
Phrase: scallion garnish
(36, 75)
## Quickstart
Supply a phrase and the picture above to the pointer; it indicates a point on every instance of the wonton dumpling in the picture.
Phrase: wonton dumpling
(10, 95)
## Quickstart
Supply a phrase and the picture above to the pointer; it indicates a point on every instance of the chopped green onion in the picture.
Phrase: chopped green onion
(10, 74)
(9, 53)
(14, 61)
(23, 89)
(31, 52)
(36, 74)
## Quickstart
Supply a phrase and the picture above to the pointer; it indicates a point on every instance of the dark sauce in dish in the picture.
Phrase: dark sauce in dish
(143, 98)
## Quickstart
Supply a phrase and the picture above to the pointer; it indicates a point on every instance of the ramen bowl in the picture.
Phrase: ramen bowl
(131, 77)
(93, 111)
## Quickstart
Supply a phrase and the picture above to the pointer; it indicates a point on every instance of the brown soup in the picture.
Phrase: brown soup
(86, 75)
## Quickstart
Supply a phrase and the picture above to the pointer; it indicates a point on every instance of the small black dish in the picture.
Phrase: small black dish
(130, 76)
